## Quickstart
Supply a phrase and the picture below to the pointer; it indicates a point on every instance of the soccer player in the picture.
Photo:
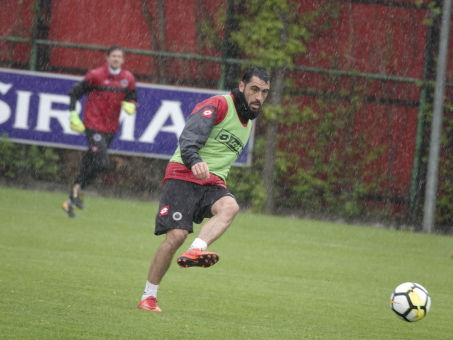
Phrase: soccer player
(108, 88)
(194, 184)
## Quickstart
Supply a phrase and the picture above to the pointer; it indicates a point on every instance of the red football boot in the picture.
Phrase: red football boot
(149, 304)
(197, 258)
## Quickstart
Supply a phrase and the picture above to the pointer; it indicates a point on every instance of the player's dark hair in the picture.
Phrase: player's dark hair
(115, 48)
(256, 71)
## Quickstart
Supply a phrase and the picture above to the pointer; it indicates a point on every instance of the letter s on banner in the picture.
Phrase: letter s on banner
(46, 113)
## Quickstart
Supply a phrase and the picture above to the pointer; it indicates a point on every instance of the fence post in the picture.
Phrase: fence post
(226, 42)
(429, 212)
(415, 176)
(33, 55)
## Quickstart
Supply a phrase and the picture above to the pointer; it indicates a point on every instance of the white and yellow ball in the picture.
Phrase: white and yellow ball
(410, 301)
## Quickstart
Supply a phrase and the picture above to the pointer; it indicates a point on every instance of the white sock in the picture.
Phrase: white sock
(199, 244)
(150, 290)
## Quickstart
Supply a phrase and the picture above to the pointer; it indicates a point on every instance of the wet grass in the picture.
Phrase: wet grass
(277, 278)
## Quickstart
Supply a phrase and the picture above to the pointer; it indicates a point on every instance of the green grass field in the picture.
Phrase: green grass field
(277, 278)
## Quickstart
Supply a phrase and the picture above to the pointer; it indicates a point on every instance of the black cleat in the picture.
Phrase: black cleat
(69, 209)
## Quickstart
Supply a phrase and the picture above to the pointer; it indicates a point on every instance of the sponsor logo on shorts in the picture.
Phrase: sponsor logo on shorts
(231, 141)
(97, 137)
(94, 148)
(163, 211)
(177, 216)
(124, 82)
(207, 113)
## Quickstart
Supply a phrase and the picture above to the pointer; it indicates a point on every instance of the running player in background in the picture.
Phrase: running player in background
(108, 88)
(194, 184)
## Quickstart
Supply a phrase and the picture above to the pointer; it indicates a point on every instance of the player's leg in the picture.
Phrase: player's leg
(175, 219)
(94, 161)
(75, 194)
(159, 266)
(221, 207)
(223, 213)
(164, 254)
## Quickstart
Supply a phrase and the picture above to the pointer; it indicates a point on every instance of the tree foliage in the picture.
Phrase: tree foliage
(323, 162)
(261, 28)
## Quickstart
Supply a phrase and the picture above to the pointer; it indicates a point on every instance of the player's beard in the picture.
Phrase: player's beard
(252, 113)
(245, 112)
(255, 111)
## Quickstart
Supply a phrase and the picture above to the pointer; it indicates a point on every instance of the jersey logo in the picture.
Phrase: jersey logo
(163, 211)
(207, 113)
(124, 82)
(231, 141)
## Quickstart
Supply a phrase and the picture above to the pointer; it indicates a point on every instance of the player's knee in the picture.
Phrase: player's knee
(176, 237)
(101, 164)
(226, 207)
(231, 208)
(104, 163)
(234, 209)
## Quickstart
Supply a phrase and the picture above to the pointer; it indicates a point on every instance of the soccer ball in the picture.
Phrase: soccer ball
(410, 301)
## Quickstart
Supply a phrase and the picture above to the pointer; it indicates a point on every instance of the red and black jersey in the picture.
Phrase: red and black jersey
(194, 137)
(105, 92)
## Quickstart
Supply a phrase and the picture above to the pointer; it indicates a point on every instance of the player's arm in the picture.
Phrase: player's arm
(77, 92)
(194, 136)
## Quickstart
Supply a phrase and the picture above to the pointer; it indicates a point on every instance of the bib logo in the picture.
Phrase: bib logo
(207, 113)
(231, 141)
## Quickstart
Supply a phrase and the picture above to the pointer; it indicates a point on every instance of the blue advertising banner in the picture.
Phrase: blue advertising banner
(34, 109)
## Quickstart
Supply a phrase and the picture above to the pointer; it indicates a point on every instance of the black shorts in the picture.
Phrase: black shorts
(183, 203)
(98, 142)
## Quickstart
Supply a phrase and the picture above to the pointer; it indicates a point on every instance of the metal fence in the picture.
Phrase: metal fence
(389, 93)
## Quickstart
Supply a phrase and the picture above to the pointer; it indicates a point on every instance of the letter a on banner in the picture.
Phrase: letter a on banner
(168, 109)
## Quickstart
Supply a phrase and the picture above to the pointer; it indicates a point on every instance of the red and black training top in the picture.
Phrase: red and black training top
(105, 92)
